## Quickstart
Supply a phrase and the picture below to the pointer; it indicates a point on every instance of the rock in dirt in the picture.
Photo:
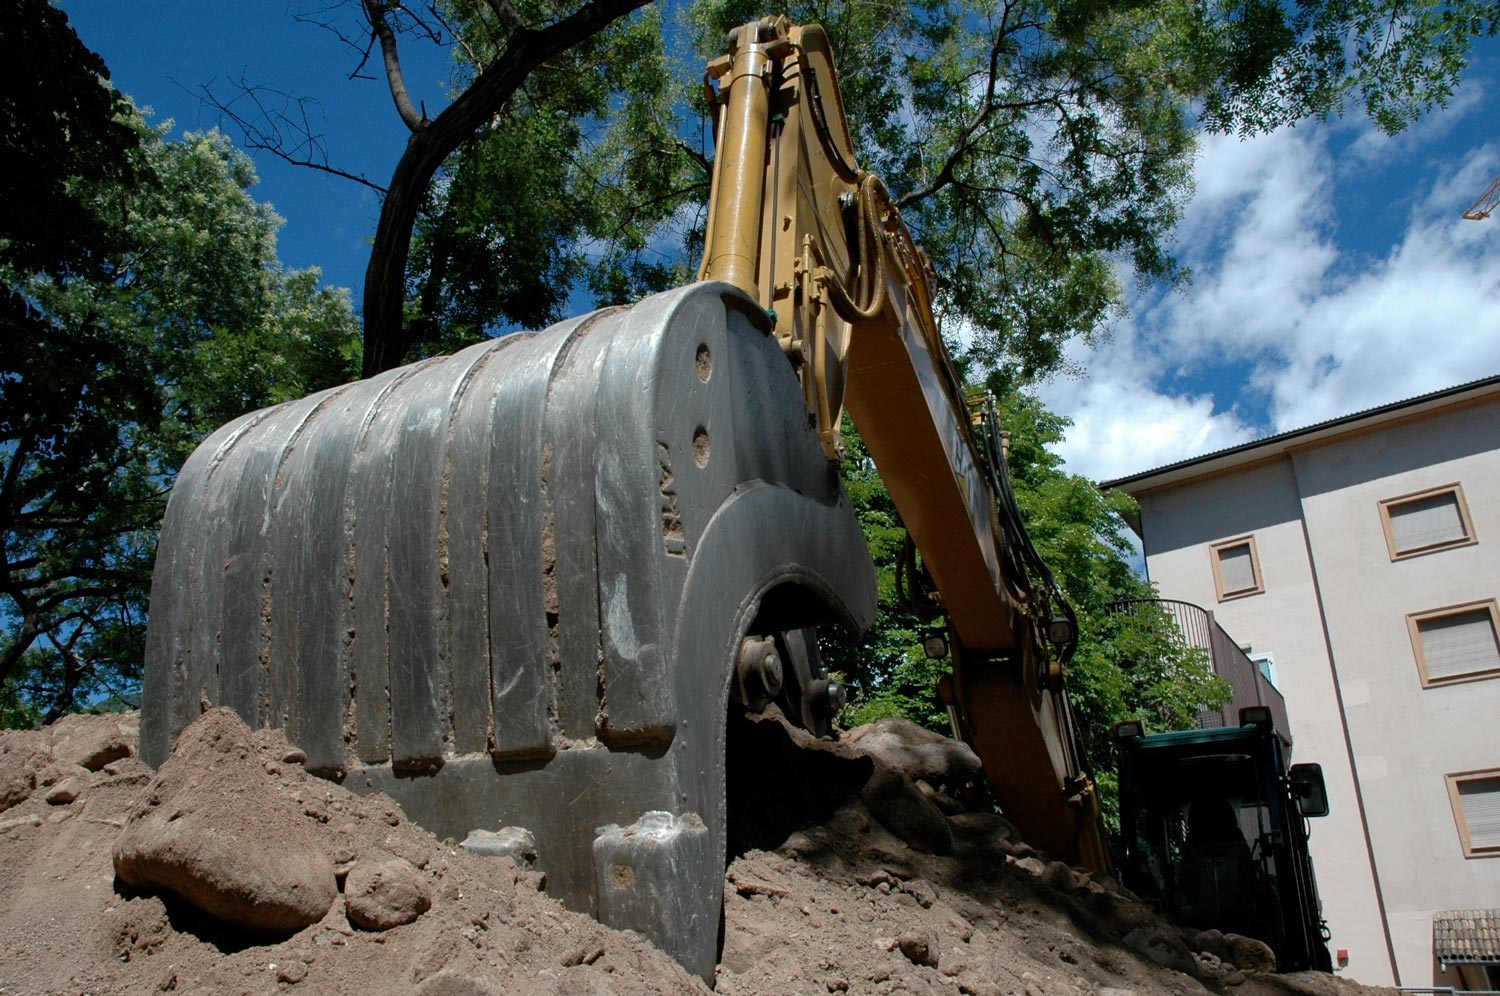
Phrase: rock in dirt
(385, 894)
(216, 830)
(1057, 875)
(986, 827)
(798, 919)
(67, 789)
(1250, 954)
(1245, 953)
(515, 843)
(453, 984)
(1162, 945)
(29, 820)
(94, 741)
(894, 800)
(920, 948)
(22, 754)
(918, 753)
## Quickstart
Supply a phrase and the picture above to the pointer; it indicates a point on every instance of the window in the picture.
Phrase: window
(1458, 643)
(1431, 520)
(1475, 796)
(1265, 662)
(1236, 568)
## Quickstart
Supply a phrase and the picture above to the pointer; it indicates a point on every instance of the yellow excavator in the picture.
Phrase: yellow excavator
(521, 586)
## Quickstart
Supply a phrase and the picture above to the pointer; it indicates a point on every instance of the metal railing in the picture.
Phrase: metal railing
(1197, 628)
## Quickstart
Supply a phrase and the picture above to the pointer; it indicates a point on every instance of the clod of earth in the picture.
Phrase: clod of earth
(385, 894)
(215, 831)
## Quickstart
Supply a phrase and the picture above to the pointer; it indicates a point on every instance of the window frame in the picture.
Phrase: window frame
(1454, 780)
(1456, 489)
(1214, 550)
(1266, 657)
(1413, 621)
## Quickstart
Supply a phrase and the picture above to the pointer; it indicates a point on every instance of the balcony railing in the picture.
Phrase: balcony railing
(1197, 628)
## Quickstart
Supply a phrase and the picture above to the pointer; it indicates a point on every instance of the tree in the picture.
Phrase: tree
(887, 667)
(169, 317)
(60, 126)
(1040, 148)
(61, 132)
(565, 189)
(496, 53)
(1035, 145)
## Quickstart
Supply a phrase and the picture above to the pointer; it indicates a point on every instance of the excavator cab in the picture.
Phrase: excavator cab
(1213, 833)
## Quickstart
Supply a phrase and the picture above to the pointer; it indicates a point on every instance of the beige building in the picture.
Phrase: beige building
(1360, 560)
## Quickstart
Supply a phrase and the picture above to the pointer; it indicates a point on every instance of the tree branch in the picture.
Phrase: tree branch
(21, 640)
(964, 144)
(73, 671)
(387, 339)
(413, 118)
(285, 132)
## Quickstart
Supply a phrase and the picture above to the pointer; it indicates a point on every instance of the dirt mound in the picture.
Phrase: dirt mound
(223, 820)
(840, 906)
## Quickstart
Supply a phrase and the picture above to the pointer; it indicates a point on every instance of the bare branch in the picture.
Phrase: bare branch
(413, 118)
(326, 14)
(278, 123)
(459, 39)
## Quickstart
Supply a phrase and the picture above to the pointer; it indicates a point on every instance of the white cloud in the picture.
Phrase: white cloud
(1373, 148)
(1120, 428)
(1287, 322)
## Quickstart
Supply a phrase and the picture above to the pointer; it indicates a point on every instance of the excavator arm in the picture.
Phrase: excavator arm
(821, 245)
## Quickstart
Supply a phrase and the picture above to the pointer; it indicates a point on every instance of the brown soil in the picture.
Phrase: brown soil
(841, 906)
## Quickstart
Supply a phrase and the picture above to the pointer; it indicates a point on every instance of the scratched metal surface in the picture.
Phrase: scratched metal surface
(508, 586)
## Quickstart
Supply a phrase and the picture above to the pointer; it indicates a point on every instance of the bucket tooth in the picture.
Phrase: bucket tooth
(650, 877)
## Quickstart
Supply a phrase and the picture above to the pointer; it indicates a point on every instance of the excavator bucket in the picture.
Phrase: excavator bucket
(510, 588)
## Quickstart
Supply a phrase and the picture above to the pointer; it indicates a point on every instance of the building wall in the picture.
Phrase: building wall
(1353, 691)
(1406, 737)
(1178, 526)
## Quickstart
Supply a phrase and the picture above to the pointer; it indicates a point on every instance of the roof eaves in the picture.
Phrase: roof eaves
(1466, 936)
(1283, 438)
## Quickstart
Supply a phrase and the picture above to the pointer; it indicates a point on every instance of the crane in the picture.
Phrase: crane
(1487, 202)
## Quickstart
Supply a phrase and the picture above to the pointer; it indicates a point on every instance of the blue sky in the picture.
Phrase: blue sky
(1332, 269)
(1332, 272)
(161, 52)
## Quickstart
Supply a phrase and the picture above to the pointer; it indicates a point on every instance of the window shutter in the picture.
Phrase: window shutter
(1427, 522)
(1481, 805)
(1236, 568)
(1458, 644)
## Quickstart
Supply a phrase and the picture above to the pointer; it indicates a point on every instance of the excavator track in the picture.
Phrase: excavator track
(510, 588)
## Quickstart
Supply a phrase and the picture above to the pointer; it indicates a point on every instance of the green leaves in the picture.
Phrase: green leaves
(886, 667)
(60, 119)
(1041, 150)
(1127, 665)
(572, 188)
(1399, 60)
(180, 320)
